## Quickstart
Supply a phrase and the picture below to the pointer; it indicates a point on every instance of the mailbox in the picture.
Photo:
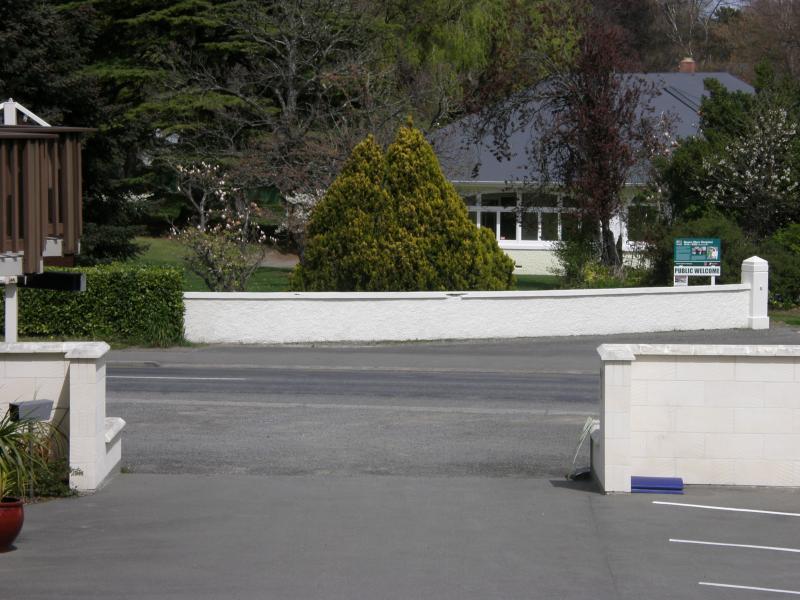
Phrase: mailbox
(32, 410)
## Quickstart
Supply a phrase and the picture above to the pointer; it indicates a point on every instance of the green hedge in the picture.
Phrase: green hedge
(128, 304)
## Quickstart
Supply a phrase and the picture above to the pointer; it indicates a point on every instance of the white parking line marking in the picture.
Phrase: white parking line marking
(749, 587)
(181, 378)
(702, 543)
(746, 510)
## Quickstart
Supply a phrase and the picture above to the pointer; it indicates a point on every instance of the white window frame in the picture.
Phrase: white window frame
(518, 243)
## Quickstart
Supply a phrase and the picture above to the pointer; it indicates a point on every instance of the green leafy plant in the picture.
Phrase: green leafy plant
(122, 303)
(782, 251)
(24, 451)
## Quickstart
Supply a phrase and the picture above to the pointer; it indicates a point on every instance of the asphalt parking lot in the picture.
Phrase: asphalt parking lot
(707, 543)
(338, 537)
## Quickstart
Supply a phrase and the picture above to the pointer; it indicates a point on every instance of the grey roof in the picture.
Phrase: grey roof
(467, 160)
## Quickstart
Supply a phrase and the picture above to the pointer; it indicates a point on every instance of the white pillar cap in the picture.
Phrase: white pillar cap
(755, 264)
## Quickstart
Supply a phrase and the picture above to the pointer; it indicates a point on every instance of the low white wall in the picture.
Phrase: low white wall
(252, 318)
(719, 415)
(277, 318)
(73, 375)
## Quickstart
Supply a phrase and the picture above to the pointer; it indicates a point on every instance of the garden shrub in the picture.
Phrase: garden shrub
(580, 266)
(782, 251)
(122, 303)
(392, 222)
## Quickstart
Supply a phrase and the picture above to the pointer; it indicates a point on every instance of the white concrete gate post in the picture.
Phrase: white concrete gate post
(755, 271)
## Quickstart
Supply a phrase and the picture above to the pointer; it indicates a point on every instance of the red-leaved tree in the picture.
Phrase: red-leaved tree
(596, 130)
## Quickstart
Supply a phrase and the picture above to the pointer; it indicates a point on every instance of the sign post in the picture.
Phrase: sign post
(696, 257)
(10, 298)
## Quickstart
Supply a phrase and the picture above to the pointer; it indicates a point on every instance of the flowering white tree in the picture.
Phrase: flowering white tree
(226, 252)
(203, 185)
(298, 212)
(756, 178)
(227, 245)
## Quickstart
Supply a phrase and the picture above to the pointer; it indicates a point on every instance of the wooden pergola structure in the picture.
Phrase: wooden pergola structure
(40, 196)
(40, 190)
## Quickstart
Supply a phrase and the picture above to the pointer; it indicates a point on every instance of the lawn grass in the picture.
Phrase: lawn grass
(790, 317)
(160, 251)
(537, 282)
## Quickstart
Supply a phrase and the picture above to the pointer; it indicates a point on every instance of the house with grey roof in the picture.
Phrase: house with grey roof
(499, 184)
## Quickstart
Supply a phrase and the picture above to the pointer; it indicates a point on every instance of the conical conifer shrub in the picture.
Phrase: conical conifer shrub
(394, 223)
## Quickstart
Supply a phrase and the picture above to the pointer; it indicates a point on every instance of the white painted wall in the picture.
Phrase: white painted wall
(277, 318)
(543, 261)
(718, 415)
(73, 375)
(533, 261)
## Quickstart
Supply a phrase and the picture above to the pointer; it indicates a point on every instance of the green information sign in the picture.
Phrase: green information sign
(698, 252)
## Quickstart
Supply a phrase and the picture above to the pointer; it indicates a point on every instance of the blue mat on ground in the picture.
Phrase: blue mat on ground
(656, 485)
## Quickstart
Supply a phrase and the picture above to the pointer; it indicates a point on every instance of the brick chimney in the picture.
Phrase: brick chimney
(687, 65)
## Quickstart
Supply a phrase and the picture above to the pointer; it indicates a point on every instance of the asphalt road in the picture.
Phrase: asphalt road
(278, 421)
(492, 408)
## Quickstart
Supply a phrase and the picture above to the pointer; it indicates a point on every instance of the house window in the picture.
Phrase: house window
(489, 220)
(640, 217)
(508, 225)
(570, 226)
(549, 227)
(520, 217)
(530, 226)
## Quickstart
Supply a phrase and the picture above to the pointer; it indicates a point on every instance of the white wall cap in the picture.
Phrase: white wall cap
(69, 349)
(371, 296)
(113, 425)
(618, 352)
(755, 264)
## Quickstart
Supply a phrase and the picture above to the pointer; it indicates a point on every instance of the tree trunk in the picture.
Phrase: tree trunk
(610, 256)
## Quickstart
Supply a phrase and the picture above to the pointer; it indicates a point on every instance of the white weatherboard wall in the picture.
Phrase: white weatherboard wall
(717, 415)
(276, 318)
(73, 376)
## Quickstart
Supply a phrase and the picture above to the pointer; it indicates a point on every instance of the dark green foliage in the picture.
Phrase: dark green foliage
(724, 116)
(42, 51)
(104, 244)
(735, 246)
(575, 255)
(393, 223)
(682, 175)
(111, 226)
(782, 251)
(52, 480)
(137, 305)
